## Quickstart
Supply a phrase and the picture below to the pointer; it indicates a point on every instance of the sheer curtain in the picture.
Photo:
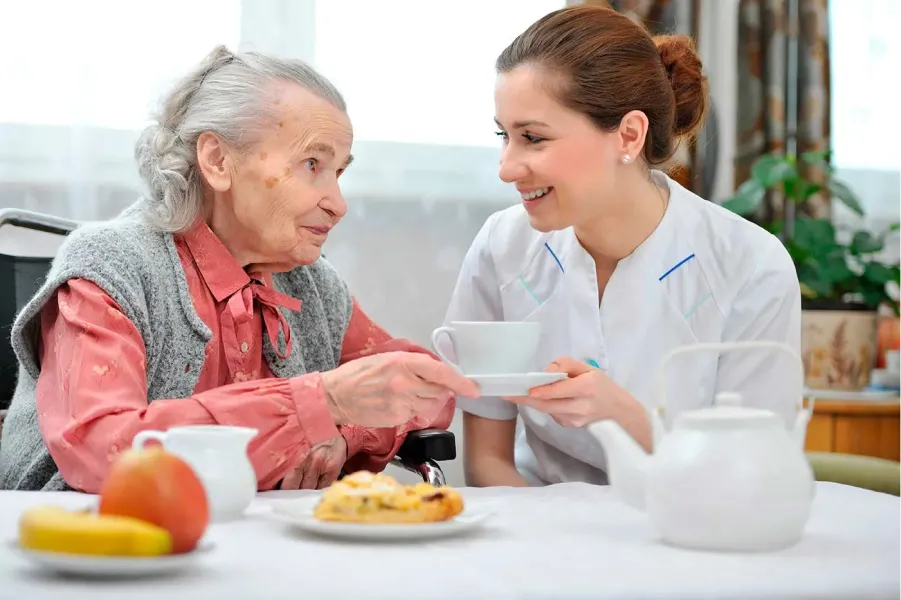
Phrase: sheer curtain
(78, 81)
(80, 78)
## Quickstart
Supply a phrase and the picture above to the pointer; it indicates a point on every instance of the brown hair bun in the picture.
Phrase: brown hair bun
(606, 65)
(685, 72)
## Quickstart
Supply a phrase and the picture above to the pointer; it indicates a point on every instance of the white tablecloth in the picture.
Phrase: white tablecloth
(563, 541)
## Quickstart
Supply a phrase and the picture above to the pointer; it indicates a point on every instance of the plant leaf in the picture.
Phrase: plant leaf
(818, 158)
(792, 189)
(747, 198)
(846, 196)
(771, 169)
(879, 273)
(834, 268)
(873, 298)
(807, 292)
(864, 242)
(800, 254)
(815, 235)
(808, 189)
(811, 281)
(774, 227)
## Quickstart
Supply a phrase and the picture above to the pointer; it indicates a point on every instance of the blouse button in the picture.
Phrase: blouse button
(243, 346)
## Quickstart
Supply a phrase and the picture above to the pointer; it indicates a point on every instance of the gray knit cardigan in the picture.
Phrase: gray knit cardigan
(139, 267)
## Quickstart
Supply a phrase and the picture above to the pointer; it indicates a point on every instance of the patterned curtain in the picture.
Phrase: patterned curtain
(767, 121)
(661, 17)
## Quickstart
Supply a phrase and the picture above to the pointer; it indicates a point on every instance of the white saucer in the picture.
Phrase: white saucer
(299, 513)
(517, 384)
(92, 565)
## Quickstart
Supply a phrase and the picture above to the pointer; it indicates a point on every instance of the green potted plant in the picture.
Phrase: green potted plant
(843, 279)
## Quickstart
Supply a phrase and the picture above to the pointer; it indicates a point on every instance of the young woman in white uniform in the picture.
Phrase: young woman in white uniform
(618, 262)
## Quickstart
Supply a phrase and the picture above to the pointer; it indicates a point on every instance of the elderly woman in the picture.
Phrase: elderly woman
(207, 302)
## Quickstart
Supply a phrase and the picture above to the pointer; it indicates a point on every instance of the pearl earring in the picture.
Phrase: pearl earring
(626, 159)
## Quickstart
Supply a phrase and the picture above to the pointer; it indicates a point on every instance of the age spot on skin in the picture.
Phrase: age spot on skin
(271, 182)
(263, 156)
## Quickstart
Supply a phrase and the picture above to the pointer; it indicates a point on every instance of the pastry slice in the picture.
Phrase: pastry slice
(365, 497)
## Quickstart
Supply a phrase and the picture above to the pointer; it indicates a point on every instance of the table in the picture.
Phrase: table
(563, 541)
(853, 426)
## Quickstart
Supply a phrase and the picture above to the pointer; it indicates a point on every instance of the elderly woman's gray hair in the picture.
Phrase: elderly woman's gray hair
(228, 95)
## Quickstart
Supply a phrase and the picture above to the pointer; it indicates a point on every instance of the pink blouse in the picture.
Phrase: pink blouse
(92, 390)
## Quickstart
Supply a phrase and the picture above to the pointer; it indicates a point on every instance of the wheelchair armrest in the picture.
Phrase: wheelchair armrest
(428, 445)
(37, 221)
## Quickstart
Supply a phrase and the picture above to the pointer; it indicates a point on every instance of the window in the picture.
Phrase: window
(79, 85)
(418, 78)
(100, 63)
(420, 72)
(863, 47)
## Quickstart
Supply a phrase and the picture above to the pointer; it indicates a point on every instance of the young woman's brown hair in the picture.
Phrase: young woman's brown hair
(605, 65)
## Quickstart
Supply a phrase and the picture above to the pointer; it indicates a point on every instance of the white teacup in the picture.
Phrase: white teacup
(490, 347)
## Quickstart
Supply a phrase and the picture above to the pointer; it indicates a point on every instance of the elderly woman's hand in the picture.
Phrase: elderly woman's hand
(385, 390)
(320, 468)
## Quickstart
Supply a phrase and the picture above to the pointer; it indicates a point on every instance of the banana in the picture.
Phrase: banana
(55, 529)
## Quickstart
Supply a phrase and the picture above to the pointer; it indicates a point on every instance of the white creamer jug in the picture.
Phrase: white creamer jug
(218, 455)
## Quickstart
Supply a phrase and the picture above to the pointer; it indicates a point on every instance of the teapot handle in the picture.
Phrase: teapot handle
(657, 413)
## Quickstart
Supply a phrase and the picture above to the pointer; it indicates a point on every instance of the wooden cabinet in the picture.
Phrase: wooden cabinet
(855, 427)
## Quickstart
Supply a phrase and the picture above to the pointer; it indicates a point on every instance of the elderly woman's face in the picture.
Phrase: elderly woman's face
(283, 195)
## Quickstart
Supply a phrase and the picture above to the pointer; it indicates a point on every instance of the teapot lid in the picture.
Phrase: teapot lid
(728, 412)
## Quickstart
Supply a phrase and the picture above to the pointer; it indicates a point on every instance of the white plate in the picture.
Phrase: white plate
(299, 513)
(111, 566)
(517, 384)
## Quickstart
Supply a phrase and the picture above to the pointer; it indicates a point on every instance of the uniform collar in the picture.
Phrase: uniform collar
(661, 253)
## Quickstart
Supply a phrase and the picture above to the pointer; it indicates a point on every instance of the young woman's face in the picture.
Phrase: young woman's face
(560, 162)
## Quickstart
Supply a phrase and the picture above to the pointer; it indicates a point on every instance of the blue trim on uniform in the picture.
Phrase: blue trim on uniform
(559, 264)
(528, 289)
(679, 264)
(698, 305)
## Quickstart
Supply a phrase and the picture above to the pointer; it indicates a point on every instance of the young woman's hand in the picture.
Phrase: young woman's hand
(586, 396)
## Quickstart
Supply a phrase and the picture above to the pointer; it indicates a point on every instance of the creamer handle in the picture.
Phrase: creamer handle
(145, 436)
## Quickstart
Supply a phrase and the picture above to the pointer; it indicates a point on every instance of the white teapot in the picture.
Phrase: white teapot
(218, 455)
(727, 478)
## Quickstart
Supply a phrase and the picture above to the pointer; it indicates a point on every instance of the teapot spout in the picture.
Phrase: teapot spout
(627, 462)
